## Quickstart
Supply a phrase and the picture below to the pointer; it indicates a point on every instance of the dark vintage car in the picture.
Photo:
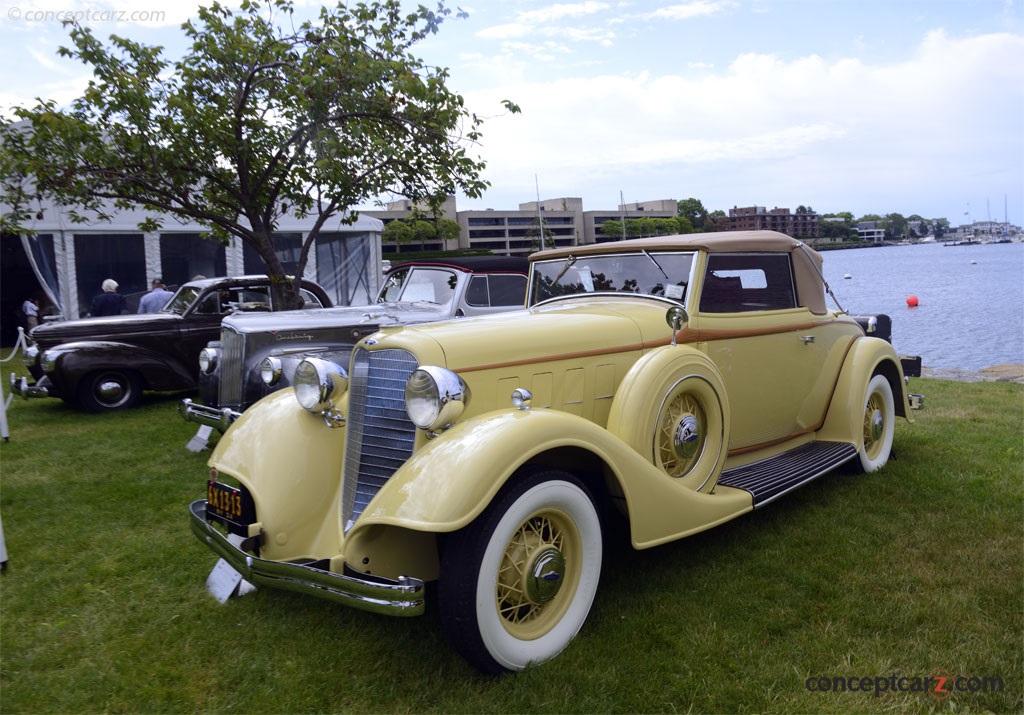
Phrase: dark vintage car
(258, 354)
(105, 363)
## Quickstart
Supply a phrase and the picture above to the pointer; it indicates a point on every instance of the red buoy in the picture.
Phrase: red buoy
(912, 301)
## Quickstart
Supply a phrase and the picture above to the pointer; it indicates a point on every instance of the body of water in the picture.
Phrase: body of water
(970, 311)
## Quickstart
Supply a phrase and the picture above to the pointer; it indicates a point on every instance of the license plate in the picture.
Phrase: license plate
(229, 505)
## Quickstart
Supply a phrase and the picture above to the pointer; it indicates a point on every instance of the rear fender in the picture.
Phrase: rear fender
(159, 372)
(845, 418)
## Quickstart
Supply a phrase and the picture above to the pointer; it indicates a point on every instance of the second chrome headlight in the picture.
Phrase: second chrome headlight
(434, 397)
(319, 383)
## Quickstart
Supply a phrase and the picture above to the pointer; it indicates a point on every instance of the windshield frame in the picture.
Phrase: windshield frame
(180, 302)
(656, 263)
(410, 280)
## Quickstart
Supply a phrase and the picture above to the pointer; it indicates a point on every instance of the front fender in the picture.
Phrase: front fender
(451, 480)
(291, 463)
(159, 371)
(844, 421)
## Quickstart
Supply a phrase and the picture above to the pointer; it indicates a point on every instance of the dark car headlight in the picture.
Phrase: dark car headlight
(434, 397)
(49, 358)
(271, 370)
(30, 354)
(319, 384)
(208, 358)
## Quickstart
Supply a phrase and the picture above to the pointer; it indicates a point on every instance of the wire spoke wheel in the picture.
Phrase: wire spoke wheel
(879, 425)
(517, 583)
(681, 434)
(539, 574)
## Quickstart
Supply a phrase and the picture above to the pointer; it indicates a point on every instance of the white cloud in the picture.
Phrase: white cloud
(839, 124)
(690, 10)
(556, 12)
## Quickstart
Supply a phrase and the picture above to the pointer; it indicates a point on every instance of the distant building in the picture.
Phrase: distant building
(758, 218)
(63, 263)
(870, 231)
(515, 232)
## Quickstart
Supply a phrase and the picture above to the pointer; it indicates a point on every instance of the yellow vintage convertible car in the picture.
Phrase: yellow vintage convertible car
(682, 380)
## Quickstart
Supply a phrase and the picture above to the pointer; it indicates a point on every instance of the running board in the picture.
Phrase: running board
(770, 478)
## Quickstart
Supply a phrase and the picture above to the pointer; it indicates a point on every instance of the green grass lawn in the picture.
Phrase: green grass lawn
(901, 574)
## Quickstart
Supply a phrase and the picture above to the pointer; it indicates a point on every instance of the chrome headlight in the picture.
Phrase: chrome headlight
(270, 370)
(319, 383)
(208, 358)
(30, 354)
(434, 397)
(48, 362)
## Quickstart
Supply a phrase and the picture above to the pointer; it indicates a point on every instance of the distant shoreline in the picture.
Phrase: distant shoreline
(996, 373)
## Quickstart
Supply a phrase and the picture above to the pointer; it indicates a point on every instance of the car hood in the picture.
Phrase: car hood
(561, 330)
(108, 327)
(379, 314)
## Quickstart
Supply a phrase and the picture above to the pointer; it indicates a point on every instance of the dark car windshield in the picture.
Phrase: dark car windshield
(181, 300)
(643, 273)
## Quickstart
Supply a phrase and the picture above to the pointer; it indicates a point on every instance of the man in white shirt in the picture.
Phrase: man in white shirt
(31, 310)
(156, 299)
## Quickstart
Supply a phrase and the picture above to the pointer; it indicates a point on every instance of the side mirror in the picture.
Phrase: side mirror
(677, 318)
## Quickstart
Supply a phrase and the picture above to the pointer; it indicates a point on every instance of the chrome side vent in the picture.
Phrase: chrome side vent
(380, 436)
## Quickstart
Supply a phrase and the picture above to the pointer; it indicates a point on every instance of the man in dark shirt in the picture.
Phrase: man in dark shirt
(109, 302)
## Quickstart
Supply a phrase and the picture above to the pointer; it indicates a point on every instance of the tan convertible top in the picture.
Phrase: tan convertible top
(806, 262)
(723, 241)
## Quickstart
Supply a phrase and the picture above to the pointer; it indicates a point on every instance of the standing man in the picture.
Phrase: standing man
(156, 299)
(109, 302)
(31, 310)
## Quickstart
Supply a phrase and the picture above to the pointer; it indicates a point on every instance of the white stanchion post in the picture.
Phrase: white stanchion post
(5, 431)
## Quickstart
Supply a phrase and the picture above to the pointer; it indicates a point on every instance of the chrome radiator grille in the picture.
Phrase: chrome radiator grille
(380, 435)
(231, 369)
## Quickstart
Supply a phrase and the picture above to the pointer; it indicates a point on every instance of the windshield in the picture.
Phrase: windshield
(419, 284)
(181, 300)
(644, 273)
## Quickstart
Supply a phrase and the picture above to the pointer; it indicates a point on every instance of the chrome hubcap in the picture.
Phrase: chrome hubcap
(110, 390)
(544, 575)
(876, 425)
(686, 437)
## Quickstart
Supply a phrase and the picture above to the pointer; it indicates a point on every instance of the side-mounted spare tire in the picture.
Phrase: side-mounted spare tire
(672, 408)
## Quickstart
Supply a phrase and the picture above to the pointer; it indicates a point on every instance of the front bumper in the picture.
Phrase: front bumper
(216, 417)
(19, 386)
(401, 597)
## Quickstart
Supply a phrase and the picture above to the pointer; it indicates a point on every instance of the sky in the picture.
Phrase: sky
(865, 106)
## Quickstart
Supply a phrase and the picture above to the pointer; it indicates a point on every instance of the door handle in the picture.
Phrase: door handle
(808, 339)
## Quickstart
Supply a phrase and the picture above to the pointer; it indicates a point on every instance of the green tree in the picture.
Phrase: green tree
(423, 231)
(612, 229)
(259, 119)
(845, 215)
(693, 211)
(397, 232)
(448, 230)
(870, 217)
(895, 226)
(716, 221)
